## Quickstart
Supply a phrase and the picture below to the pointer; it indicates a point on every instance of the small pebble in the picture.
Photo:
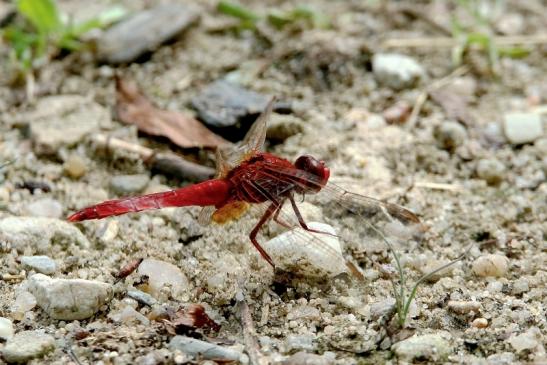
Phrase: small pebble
(520, 286)
(527, 340)
(522, 128)
(129, 315)
(480, 323)
(41, 264)
(45, 207)
(206, 350)
(129, 184)
(432, 347)
(142, 297)
(398, 113)
(299, 342)
(6, 328)
(491, 265)
(108, 231)
(463, 307)
(491, 170)
(23, 303)
(450, 135)
(69, 299)
(75, 167)
(397, 71)
(28, 345)
(305, 358)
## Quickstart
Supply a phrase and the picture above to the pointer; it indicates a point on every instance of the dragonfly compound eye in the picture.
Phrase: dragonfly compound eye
(315, 167)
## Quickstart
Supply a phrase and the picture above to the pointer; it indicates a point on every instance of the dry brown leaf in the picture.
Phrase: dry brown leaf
(133, 107)
(190, 317)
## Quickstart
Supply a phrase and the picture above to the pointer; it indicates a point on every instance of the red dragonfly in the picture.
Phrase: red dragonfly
(250, 177)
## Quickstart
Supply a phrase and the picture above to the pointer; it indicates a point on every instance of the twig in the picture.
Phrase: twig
(449, 42)
(422, 98)
(249, 335)
(167, 163)
(437, 186)
(420, 14)
(73, 356)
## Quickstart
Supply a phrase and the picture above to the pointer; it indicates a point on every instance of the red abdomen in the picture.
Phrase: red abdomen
(210, 192)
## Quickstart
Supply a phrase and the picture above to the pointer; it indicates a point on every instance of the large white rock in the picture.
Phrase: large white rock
(28, 345)
(308, 254)
(69, 299)
(161, 273)
(40, 233)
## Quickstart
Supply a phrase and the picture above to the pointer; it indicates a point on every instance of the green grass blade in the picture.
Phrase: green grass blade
(43, 14)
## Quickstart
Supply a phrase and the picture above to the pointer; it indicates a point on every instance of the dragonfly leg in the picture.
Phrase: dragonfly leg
(267, 215)
(278, 220)
(301, 219)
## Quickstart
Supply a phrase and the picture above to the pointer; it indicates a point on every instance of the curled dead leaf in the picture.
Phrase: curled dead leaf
(133, 107)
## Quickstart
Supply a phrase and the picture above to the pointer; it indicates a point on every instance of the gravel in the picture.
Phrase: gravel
(63, 121)
(39, 234)
(129, 184)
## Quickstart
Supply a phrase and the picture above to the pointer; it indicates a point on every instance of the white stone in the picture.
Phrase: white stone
(23, 303)
(205, 349)
(41, 264)
(396, 70)
(308, 254)
(129, 315)
(527, 340)
(491, 265)
(69, 299)
(45, 207)
(6, 328)
(40, 233)
(28, 345)
(161, 273)
(433, 347)
(522, 127)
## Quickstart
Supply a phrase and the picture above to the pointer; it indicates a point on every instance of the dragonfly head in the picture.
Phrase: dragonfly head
(316, 168)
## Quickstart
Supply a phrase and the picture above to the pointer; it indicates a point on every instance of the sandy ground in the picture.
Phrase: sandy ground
(338, 103)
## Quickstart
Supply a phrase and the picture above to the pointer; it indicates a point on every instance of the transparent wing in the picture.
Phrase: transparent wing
(254, 139)
(365, 225)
